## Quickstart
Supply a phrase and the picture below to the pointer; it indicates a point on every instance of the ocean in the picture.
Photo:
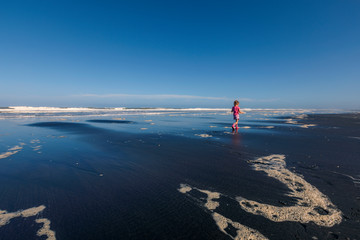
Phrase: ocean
(173, 173)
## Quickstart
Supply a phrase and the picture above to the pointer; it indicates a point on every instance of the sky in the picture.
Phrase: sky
(267, 54)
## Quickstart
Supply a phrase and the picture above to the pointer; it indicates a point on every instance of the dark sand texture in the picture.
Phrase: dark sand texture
(286, 182)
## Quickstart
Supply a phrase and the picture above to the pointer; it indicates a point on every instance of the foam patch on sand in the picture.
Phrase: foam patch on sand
(291, 121)
(302, 116)
(242, 232)
(45, 230)
(307, 125)
(312, 205)
(11, 151)
(204, 135)
(210, 203)
(184, 188)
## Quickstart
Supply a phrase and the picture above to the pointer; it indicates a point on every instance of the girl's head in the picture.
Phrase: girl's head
(236, 102)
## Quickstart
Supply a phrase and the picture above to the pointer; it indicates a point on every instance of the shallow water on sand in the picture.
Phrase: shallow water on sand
(182, 175)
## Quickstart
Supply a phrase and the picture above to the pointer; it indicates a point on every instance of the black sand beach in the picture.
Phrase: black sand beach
(181, 177)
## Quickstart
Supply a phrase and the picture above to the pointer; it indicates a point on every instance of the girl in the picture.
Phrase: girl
(236, 111)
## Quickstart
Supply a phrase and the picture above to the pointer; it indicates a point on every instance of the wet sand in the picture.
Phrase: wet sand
(108, 179)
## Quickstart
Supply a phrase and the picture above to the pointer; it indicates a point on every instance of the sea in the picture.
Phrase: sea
(178, 173)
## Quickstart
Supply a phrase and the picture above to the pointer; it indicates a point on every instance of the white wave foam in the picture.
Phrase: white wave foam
(28, 109)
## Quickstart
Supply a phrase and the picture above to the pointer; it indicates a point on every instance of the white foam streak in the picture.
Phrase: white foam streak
(242, 232)
(311, 206)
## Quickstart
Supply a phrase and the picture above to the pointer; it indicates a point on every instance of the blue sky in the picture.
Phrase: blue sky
(180, 53)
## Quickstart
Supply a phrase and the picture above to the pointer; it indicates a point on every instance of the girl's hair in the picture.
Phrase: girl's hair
(236, 102)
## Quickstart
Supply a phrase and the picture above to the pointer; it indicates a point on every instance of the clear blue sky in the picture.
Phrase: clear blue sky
(180, 53)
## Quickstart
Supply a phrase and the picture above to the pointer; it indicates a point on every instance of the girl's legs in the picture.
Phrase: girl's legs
(235, 125)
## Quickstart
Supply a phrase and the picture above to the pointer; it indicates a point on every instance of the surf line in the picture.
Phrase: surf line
(311, 205)
(45, 230)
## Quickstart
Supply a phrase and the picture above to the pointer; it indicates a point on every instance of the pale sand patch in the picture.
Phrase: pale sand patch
(269, 127)
(246, 127)
(143, 128)
(312, 205)
(11, 151)
(5, 218)
(213, 126)
(307, 125)
(242, 233)
(227, 127)
(118, 118)
(148, 120)
(203, 135)
(152, 123)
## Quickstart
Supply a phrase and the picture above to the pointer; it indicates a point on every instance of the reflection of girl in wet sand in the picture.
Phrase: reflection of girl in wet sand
(236, 111)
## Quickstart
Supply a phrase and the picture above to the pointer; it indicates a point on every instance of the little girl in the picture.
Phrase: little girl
(236, 111)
